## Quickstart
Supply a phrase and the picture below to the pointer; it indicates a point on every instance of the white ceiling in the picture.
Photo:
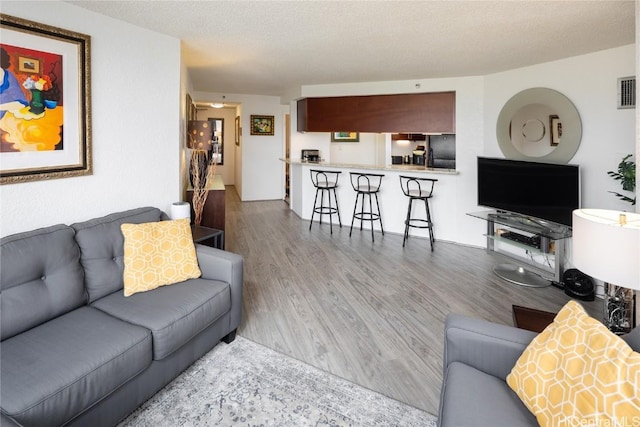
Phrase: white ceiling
(268, 47)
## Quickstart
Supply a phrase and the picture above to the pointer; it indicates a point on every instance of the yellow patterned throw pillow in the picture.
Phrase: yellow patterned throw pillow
(158, 254)
(578, 373)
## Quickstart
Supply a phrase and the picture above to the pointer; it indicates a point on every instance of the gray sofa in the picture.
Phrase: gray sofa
(478, 356)
(74, 350)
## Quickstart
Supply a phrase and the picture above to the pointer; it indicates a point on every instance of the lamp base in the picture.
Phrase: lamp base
(619, 309)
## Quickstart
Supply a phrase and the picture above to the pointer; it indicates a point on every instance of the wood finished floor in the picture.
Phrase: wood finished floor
(372, 313)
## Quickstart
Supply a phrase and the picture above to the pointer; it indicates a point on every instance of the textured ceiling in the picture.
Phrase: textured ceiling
(268, 47)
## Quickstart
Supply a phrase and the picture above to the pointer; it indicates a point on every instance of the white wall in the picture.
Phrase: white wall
(589, 81)
(135, 83)
(362, 153)
(261, 170)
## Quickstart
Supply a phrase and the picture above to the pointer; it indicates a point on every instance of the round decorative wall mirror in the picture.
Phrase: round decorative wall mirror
(539, 124)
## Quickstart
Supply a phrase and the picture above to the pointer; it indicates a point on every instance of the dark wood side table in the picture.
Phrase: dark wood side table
(531, 319)
(208, 236)
(213, 213)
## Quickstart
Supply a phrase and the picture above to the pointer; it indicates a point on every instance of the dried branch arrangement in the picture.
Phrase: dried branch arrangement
(201, 179)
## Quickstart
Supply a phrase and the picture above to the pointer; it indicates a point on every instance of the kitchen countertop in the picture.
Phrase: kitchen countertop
(397, 168)
(215, 184)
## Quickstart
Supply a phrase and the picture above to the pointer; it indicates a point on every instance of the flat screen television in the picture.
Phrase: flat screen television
(540, 190)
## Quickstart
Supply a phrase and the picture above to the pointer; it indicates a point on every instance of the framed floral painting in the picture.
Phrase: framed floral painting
(45, 102)
(262, 125)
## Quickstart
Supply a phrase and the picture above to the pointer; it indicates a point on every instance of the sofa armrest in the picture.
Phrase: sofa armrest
(6, 421)
(216, 264)
(633, 339)
(489, 347)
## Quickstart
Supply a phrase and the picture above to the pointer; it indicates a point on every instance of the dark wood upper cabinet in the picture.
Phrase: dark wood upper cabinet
(408, 137)
(433, 112)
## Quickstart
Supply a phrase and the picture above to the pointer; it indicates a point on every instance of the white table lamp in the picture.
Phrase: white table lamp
(606, 246)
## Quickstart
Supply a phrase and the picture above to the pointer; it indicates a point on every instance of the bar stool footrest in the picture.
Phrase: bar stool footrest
(428, 223)
(326, 210)
(367, 216)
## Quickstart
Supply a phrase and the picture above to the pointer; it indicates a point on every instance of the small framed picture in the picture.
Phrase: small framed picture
(345, 137)
(238, 130)
(556, 130)
(261, 125)
(28, 65)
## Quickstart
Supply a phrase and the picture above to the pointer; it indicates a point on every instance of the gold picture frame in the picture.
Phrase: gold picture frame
(555, 132)
(191, 114)
(238, 130)
(54, 101)
(262, 125)
(28, 65)
(345, 137)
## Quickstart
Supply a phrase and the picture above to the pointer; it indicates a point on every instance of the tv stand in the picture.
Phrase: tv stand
(534, 236)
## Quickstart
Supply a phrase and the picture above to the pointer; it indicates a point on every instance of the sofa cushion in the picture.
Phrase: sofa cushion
(102, 248)
(174, 314)
(577, 369)
(41, 278)
(62, 367)
(158, 254)
(474, 398)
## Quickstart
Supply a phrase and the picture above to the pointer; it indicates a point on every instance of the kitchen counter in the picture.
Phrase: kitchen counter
(393, 202)
(215, 184)
(395, 168)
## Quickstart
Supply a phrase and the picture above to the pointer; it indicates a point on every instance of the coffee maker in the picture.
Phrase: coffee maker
(311, 156)
(418, 155)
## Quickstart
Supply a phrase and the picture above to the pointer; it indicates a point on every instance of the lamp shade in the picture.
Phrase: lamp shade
(200, 134)
(606, 247)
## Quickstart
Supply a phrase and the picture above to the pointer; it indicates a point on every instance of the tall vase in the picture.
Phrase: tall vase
(199, 171)
(36, 105)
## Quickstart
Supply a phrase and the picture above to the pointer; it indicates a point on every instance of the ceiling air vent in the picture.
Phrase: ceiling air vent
(626, 92)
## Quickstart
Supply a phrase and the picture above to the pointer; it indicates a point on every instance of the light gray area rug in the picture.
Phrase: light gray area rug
(247, 384)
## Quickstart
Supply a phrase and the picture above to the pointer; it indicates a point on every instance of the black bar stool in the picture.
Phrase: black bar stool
(417, 189)
(366, 184)
(325, 181)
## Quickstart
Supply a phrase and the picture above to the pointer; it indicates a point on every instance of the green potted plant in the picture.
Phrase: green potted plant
(626, 174)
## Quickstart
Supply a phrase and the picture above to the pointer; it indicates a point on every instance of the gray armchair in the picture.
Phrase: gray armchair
(478, 356)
